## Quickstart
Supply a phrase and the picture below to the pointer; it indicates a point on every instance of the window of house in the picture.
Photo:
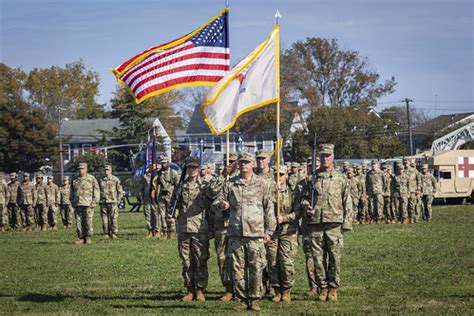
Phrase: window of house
(217, 144)
(66, 152)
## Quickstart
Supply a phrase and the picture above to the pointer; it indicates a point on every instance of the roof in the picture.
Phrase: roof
(441, 122)
(197, 125)
(80, 131)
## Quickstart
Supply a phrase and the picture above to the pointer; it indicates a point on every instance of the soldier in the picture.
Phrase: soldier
(363, 209)
(286, 237)
(27, 201)
(167, 180)
(251, 223)
(150, 210)
(345, 168)
(294, 176)
(428, 184)
(393, 209)
(401, 189)
(415, 188)
(111, 194)
(205, 175)
(221, 170)
(12, 204)
(356, 189)
(263, 165)
(4, 197)
(41, 207)
(329, 218)
(374, 186)
(387, 193)
(85, 194)
(193, 226)
(53, 197)
(65, 203)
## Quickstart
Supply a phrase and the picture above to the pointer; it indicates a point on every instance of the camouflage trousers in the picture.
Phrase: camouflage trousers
(52, 210)
(270, 272)
(427, 211)
(41, 214)
(248, 260)
(363, 210)
(15, 216)
(28, 215)
(223, 259)
(401, 205)
(326, 248)
(310, 273)
(388, 212)
(84, 227)
(355, 206)
(194, 253)
(376, 206)
(413, 206)
(165, 224)
(3, 215)
(109, 216)
(284, 274)
(151, 217)
(66, 214)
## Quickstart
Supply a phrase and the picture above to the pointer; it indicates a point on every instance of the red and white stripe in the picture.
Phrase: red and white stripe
(177, 65)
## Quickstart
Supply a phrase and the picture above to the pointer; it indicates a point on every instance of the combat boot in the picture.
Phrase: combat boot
(114, 236)
(43, 228)
(170, 235)
(332, 295)
(312, 293)
(88, 240)
(79, 242)
(157, 235)
(241, 307)
(2, 229)
(200, 296)
(149, 234)
(276, 294)
(323, 295)
(227, 297)
(106, 236)
(54, 228)
(189, 296)
(286, 296)
(255, 306)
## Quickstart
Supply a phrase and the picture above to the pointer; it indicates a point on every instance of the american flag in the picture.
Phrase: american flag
(200, 58)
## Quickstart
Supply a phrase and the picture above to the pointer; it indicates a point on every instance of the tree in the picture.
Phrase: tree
(27, 139)
(72, 88)
(320, 73)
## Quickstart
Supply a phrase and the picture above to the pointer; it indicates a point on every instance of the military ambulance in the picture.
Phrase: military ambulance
(454, 171)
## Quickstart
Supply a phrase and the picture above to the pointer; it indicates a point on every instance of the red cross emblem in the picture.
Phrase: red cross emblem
(466, 167)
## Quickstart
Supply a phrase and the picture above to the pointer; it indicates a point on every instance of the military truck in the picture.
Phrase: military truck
(454, 171)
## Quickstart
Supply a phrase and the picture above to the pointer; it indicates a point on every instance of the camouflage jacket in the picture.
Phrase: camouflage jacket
(387, 184)
(13, 192)
(110, 190)
(4, 194)
(145, 183)
(85, 191)
(167, 181)
(400, 185)
(374, 182)
(303, 187)
(333, 203)
(41, 194)
(251, 211)
(27, 194)
(65, 195)
(194, 208)
(291, 214)
(52, 194)
(362, 180)
(218, 216)
(267, 177)
(293, 180)
(414, 177)
(356, 188)
(428, 183)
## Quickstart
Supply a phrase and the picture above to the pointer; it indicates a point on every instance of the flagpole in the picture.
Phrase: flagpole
(278, 136)
(227, 133)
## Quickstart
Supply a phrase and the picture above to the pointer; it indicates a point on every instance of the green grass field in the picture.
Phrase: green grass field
(387, 269)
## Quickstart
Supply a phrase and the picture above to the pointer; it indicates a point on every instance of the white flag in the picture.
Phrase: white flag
(253, 83)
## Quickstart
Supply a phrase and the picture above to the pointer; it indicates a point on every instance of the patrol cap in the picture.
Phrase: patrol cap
(309, 159)
(262, 154)
(203, 167)
(425, 166)
(295, 164)
(246, 157)
(26, 174)
(412, 163)
(374, 162)
(193, 162)
(108, 167)
(384, 166)
(13, 175)
(326, 149)
(82, 165)
(406, 160)
(164, 159)
(39, 175)
(66, 178)
(232, 157)
(50, 178)
(350, 170)
(288, 164)
(364, 165)
(346, 163)
(354, 165)
(282, 169)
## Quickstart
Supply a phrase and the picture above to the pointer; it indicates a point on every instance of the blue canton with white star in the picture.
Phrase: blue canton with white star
(215, 34)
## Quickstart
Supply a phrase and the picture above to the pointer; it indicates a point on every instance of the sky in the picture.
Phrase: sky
(427, 45)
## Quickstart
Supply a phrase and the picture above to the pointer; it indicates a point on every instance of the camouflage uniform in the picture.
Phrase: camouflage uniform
(13, 207)
(413, 197)
(363, 208)
(167, 180)
(27, 201)
(111, 194)
(387, 203)
(85, 193)
(4, 196)
(375, 189)
(356, 189)
(53, 197)
(65, 206)
(294, 178)
(41, 206)
(149, 210)
(193, 227)
(401, 190)
(428, 184)
(332, 216)
(251, 218)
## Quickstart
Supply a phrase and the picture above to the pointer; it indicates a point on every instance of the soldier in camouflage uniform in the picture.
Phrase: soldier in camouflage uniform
(12, 204)
(428, 188)
(363, 208)
(149, 210)
(415, 188)
(356, 189)
(111, 194)
(4, 196)
(387, 188)
(193, 226)
(65, 203)
(85, 194)
(251, 223)
(393, 209)
(329, 218)
(401, 190)
(345, 168)
(53, 197)
(167, 180)
(286, 238)
(41, 207)
(27, 201)
(263, 165)
(375, 188)
(294, 176)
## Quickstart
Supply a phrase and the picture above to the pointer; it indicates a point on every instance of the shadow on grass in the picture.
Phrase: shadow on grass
(42, 298)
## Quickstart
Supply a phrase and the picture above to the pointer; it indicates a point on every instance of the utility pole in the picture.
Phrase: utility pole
(410, 139)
